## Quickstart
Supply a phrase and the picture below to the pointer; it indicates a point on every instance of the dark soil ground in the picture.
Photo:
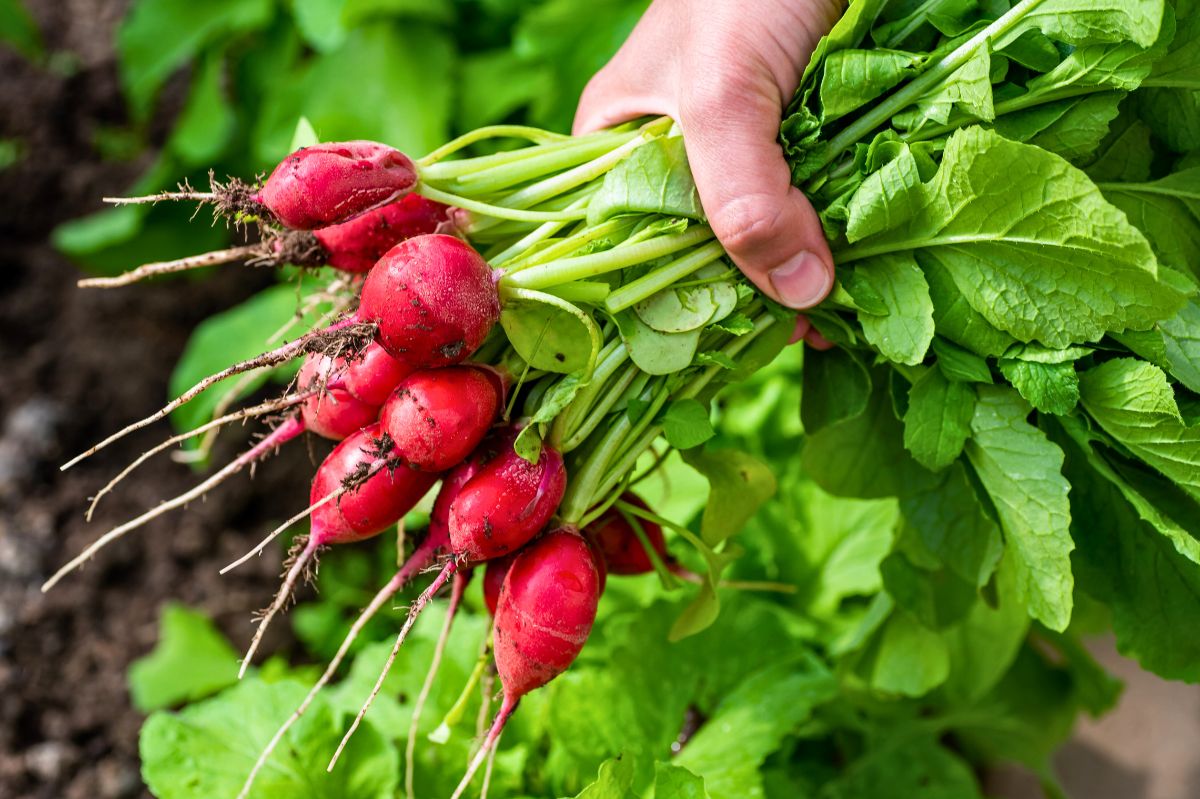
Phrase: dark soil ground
(75, 366)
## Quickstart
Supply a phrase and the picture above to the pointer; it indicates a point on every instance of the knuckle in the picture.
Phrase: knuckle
(747, 223)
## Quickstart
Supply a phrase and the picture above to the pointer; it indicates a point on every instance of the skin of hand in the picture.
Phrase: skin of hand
(724, 69)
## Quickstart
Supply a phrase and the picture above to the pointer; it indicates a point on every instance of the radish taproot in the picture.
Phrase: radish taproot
(437, 417)
(359, 490)
(545, 613)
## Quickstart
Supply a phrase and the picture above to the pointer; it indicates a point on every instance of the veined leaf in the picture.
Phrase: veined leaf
(1022, 473)
(938, 420)
(654, 178)
(1132, 401)
(1059, 265)
(905, 332)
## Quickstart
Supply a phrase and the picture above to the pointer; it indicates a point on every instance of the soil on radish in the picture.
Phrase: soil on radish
(76, 364)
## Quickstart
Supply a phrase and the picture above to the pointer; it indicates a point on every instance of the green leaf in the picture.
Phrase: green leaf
(968, 88)
(409, 110)
(1030, 244)
(654, 178)
(935, 598)
(654, 352)
(951, 524)
(207, 749)
(678, 310)
(960, 364)
(1046, 378)
(615, 781)
(686, 424)
(751, 722)
(19, 30)
(1181, 345)
(955, 319)
(739, 484)
(546, 336)
(1073, 129)
(864, 456)
(909, 763)
(1125, 155)
(853, 78)
(191, 661)
(836, 387)
(906, 331)
(1022, 473)
(886, 198)
(676, 782)
(320, 23)
(1168, 212)
(226, 338)
(1103, 21)
(1132, 401)
(938, 420)
(158, 37)
(1132, 558)
(904, 657)
(206, 126)
(1170, 103)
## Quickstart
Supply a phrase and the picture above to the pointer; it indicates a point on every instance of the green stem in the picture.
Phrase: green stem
(577, 434)
(648, 285)
(572, 243)
(913, 91)
(582, 267)
(535, 135)
(535, 236)
(498, 211)
(1009, 106)
(538, 164)
(585, 291)
(611, 357)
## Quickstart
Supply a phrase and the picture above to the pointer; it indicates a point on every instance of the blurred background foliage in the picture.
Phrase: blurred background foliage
(411, 73)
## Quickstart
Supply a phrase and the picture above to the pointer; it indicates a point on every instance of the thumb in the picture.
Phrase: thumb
(765, 224)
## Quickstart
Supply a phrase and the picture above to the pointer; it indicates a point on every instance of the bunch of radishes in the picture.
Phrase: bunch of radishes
(393, 381)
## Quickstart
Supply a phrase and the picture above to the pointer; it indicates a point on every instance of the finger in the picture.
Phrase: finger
(611, 97)
(818, 342)
(765, 224)
(801, 330)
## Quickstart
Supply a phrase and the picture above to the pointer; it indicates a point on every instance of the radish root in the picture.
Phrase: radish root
(169, 267)
(413, 612)
(410, 749)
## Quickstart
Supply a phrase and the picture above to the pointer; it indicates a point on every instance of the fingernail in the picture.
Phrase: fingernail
(802, 282)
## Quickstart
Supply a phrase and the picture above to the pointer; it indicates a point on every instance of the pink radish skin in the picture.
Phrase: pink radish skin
(324, 185)
(545, 613)
(493, 579)
(437, 417)
(506, 504)
(376, 504)
(619, 545)
(356, 246)
(433, 298)
(354, 390)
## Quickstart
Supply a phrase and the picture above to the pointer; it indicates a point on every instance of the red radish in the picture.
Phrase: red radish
(329, 183)
(429, 302)
(619, 544)
(357, 492)
(434, 299)
(436, 417)
(356, 245)
(505, 504)
(493, 579)
(498, 509)
(546, 610)
(362, 385)
(352, 246)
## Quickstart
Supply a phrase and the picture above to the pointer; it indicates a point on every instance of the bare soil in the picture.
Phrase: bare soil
(75, 366)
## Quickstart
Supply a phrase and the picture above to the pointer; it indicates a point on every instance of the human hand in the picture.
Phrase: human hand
(724, 69)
